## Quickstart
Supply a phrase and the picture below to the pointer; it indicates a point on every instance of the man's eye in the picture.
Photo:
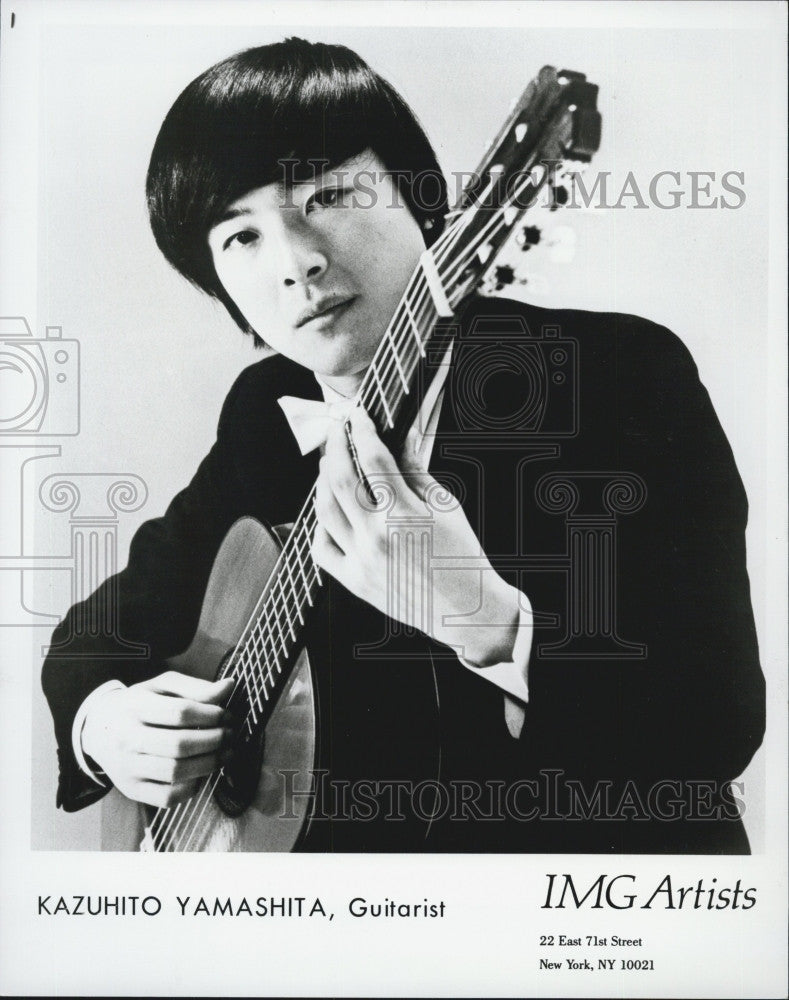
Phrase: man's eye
(244, 238)
(330, 197)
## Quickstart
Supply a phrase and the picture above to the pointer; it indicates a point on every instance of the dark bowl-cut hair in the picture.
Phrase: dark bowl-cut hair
(230, 130)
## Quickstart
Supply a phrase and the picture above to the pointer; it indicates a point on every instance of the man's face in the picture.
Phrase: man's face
(318, 270)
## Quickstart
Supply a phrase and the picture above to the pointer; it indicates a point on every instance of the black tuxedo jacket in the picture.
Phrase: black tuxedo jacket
(590, 461)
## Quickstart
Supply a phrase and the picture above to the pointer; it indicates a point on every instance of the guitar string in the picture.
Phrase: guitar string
(262, 627)
(161, 828)
(442, 248)
(208, 787)
(244, 656)
(245, 653)
(278, 601)
(451, 237)
(194, 814)
(498, 213)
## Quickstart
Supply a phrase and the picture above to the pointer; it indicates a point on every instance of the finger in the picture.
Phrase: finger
(160, 795)
(341, 473)
(374, 456)
(330, 514)
(383, 473)
(173, 682)
(182, 713)
(327, 553)
(170, 770)
(163, 742)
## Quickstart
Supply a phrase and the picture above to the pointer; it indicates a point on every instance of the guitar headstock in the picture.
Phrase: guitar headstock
(549, 137)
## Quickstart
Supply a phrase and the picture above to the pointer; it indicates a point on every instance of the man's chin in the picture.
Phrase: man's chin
(343, 366)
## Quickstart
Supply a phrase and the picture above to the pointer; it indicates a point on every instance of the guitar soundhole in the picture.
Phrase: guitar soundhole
(239, 778)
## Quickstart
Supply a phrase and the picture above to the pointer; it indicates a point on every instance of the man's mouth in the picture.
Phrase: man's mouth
(325, 310)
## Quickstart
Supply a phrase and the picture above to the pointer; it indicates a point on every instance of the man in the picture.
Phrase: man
(283, 183)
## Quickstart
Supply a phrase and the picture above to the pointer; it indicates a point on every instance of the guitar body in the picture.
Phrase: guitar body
(275, 819)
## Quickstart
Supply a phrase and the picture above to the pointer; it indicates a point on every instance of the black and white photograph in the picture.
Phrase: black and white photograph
(394, 498)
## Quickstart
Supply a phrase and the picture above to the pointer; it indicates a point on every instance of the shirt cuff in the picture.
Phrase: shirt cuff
(79, 724)
(512, 676)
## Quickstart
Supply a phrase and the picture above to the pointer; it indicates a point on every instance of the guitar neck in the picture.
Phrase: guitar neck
(388, 390)
(268, 648)
(555, 127)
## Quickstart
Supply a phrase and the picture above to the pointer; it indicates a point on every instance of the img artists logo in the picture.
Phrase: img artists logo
(622, 892)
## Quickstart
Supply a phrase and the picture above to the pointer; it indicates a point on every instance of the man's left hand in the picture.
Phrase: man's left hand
(413, 555)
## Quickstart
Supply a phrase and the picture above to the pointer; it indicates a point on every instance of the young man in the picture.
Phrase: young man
(283, 182)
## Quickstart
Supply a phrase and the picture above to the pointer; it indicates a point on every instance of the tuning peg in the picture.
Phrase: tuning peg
(528, 237)
(559, 196)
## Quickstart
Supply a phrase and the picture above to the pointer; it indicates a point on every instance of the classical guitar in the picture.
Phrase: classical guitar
(261, 592)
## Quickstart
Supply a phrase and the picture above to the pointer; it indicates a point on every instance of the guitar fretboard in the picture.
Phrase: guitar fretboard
(274, 633)
(266, 652)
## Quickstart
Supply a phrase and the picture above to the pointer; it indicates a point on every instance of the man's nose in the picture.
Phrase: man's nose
(302, 258)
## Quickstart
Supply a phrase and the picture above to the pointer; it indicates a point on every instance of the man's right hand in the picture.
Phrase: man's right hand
(154, 739)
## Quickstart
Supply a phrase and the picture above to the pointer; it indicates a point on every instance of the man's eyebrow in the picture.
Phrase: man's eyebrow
(232, 213)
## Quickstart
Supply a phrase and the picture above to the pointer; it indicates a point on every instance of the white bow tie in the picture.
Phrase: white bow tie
(310, 419)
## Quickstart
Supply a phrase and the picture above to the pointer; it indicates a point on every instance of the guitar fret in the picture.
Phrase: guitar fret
(259, 647)
(293, 589)
(259, 689)
(256, 639)
(244, 664)
(281, 635)
(280, 583)
(310, 524)
(382, 394)
(435, 285)
(307, 585)
(270, 655)
(263, 647)
(414, 328)
(396, 356)
(252, 699)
